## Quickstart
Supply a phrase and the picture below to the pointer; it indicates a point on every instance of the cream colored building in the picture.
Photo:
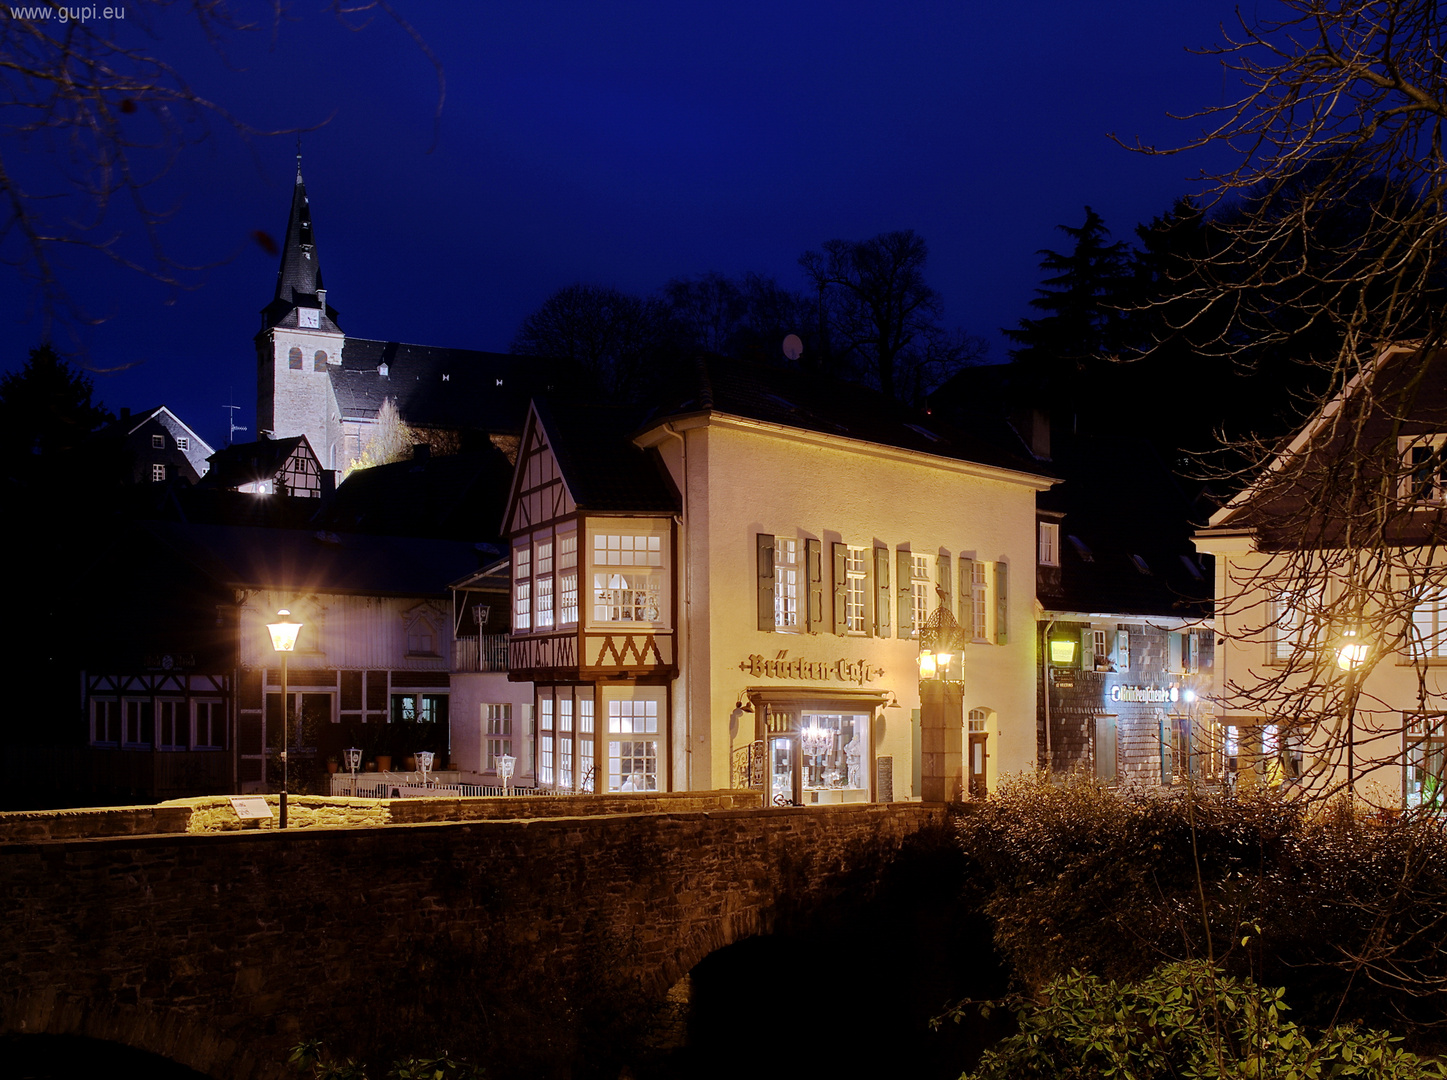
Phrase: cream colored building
(1331, 596)
(728, 592)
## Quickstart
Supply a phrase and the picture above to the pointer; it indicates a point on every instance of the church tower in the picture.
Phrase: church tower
(300, 345)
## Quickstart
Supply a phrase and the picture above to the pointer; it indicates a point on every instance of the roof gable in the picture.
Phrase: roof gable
(539, 492)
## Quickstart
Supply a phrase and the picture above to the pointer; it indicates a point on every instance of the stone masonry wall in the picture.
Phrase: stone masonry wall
(512, 942)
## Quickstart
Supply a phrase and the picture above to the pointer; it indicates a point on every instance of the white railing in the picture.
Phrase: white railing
(405, 786)
(485, 653)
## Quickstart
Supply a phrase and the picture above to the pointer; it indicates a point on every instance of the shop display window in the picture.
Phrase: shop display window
(834, 757)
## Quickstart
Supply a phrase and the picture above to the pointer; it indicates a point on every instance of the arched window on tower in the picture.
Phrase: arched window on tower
(295, 358)
(319, 362)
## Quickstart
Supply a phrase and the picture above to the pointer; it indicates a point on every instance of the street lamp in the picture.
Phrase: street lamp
(283, 640)
(942, 719)
(1350, 656)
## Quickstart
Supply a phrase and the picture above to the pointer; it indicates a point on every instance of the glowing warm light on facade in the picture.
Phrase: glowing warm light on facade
(1062, 650)
(284, 632)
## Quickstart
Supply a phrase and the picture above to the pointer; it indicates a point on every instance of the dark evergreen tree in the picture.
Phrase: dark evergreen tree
(1080, 327)
(46, 409)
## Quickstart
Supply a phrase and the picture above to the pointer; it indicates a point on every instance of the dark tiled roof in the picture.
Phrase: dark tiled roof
(456, 389)
(246, 463)
(318, 561)
(817, 402)
(299, 277)
(459, 497)
(605, 470)
(1121, 503)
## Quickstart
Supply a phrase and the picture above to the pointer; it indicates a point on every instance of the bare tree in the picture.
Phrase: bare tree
(879, 316)
(89, 122)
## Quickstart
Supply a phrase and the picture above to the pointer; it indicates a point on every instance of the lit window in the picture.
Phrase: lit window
(568, 580)
(977, 720)
(497, 728)
(632, 761)
(293, 359)
(565, 743)
(855, 572)
(158, 442)
(543, 585)
(980, 598)
(1429, 626)
(158, 473)
(919, 587)
(786, 584)
(545, 741)
(585, 744)
(1100, 650)
(627, 595)
(522, 606)
(1049, 544)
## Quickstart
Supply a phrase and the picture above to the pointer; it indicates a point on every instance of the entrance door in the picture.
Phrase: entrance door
(1105, 768)
(783, 771)
(978, 757)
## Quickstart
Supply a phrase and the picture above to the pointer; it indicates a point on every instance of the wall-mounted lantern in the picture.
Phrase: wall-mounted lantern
(1062, 650)
(940, 641)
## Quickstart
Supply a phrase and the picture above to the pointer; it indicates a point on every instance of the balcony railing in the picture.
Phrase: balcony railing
(485, 653)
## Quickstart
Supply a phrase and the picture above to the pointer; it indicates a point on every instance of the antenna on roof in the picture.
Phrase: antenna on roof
(231, 419)
(793, 347)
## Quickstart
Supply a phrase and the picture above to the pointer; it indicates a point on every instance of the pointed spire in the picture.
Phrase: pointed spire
(299, 277)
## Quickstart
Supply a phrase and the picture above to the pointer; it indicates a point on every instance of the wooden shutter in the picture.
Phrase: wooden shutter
(942, 578)
(766, 581)
(881, 591)
(1087, 649)
(967, 598)
(1002, 603)
(904, 571)
(841, 588)
(814, 572)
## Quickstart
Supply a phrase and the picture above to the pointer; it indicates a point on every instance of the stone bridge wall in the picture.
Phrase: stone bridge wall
(512, 941)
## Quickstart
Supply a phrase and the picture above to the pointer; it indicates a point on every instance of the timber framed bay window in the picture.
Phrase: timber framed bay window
(565, 737)
(628, 578)
(545, 580)
(635, 719)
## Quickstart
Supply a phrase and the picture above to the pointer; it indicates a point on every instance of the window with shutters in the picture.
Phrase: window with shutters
(919, 590)
(980, 598)
(786, 584)
(1121, 656)
(1183, 652)
(856, 573)
(1100, 650)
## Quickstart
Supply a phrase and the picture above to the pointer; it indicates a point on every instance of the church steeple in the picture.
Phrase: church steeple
(299, 277)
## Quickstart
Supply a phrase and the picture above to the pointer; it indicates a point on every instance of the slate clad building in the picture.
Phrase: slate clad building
(729, 589)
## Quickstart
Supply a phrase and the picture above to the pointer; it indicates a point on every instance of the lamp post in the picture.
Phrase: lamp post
(1350, 656)
(505, 763)
(283, 640)
(941, 708)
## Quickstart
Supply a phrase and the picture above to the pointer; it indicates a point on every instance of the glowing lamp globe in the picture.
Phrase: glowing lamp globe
(284, 632)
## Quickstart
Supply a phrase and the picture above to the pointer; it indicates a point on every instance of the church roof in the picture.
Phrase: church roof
(299, 277)
(457, 389)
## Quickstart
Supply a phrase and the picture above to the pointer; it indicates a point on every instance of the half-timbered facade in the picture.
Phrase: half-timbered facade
(730, 590)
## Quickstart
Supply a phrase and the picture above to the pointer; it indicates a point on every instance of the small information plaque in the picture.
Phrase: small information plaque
(249, 808)
(884, 779)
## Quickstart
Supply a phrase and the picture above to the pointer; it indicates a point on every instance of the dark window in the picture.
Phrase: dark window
(294, 358)
(319, 362)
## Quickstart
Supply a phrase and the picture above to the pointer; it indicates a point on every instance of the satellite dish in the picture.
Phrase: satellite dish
(793, 347)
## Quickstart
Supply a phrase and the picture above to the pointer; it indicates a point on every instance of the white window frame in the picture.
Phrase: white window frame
(587, 778)
(856, 588)
(158, 442)
(215, 729)
(919, 590)
(1428, 635)
(786, 584)
(171, 713)
(543, 584)
(545, 741)
(496, 732)
(1049, 544)
(980, 598)
(628, 578)
(1101, 652)
(1122, 650)
(158, 473)
(635, 732)
(1416, 486)
(522, 588)
(567, 579)
(133, 722)
(105, 721)
(183, 442)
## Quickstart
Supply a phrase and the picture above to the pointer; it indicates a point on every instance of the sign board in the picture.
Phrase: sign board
(249, 808)
(884, 779)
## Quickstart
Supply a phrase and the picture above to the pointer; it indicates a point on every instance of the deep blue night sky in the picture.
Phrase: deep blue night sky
(624, 145)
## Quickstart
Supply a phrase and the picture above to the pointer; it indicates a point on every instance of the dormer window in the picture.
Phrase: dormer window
(308, 318)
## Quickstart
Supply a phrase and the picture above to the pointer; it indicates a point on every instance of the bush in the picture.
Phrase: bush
(1079, 877)
(1183, 1020)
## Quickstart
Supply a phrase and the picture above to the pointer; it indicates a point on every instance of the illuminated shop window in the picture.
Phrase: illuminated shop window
(625, 587)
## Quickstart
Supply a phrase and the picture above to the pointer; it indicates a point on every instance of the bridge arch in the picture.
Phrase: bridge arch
(166, 1034)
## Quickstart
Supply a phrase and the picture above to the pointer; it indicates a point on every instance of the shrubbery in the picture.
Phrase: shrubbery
(1348, 916)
